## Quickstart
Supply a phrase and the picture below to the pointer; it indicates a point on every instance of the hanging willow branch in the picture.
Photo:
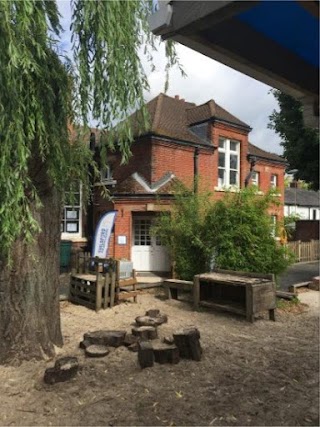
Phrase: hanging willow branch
(40, 95)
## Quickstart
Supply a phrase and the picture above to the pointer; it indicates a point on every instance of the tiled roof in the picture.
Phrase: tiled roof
(258, 152)
(211, 110)
(172, 117)
(301, 197)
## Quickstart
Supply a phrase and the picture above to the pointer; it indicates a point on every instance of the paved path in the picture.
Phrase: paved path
(298, 273)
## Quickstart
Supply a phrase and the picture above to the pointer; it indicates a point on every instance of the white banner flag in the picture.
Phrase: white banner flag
(102, 235)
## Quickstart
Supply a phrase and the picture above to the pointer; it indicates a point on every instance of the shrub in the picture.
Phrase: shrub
(233, 233)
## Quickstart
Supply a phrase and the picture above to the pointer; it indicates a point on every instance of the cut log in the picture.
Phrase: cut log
(151, 321)
(164, 353)
(63, 370)
(134, 347)
(146, 321)
(285, 295)
(84, 344)
(153, 313)
(145, 355)
(161, 318)
(107, 338)
(187, 341)
(168, 340)
(97, 351)
(130, 339)
(145, 333)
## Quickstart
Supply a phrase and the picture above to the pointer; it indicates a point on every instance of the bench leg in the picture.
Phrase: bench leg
(174, 293)
(272, 315)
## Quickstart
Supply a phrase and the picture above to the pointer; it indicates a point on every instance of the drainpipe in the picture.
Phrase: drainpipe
(248, 177)
(195, 170)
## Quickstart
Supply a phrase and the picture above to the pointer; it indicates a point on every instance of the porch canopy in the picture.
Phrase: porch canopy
(276, 42)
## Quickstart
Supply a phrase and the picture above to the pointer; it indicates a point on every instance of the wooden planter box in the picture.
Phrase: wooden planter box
(238, 292)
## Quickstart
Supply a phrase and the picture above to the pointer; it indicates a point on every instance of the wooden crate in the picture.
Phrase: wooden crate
(93, 291)
(238, 292)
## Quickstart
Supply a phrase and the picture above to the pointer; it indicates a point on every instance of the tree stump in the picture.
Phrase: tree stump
(106, 338)
(164, 353)
(134, 347)
(187, 341)
(146, 321)
(153, 312)
(168, 340)
(145, 355)
(145, 333)
(97, 351)
(63, 370)
(151, 321)
(84, 344)
(130, 339)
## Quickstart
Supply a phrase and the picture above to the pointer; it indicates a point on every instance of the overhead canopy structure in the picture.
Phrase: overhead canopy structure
(276, 42)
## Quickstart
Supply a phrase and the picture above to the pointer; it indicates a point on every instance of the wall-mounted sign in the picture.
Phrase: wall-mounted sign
(122, 240)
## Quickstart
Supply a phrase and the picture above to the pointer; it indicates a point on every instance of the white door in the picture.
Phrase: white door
(147, 252)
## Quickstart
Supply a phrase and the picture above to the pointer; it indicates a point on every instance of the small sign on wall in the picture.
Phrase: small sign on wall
(122, 240)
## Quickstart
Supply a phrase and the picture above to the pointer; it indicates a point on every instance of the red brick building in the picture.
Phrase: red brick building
(184, 140)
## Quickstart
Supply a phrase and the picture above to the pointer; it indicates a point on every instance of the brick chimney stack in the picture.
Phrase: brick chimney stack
(177, 97)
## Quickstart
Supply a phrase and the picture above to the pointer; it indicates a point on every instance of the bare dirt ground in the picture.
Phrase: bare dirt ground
(264, 373)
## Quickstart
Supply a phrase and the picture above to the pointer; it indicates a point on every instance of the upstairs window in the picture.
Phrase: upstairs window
(255, 179)
(274, 181)
(229, 163)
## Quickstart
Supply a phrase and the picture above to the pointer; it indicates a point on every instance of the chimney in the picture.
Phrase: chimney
(182, 99)
(177, 97)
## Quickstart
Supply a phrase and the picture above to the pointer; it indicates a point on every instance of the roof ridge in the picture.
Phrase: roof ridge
(268, 152)
(157, 113)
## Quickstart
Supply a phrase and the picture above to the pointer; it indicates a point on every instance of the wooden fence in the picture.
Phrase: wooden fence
(305, 251)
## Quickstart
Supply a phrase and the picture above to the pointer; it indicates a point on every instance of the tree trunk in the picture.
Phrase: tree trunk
(29, 286)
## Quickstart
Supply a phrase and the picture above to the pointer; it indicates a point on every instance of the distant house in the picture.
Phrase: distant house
(184, 141)
(303, 203)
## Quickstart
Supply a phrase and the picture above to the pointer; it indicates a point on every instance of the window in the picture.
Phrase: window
(255, 178)
(228, 163)
(106, 173)
(71, 213)
(142, 235)
(274, 181)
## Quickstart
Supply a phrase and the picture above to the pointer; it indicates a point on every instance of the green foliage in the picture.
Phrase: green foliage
(235, 232)
(300, 143)
(40, 93)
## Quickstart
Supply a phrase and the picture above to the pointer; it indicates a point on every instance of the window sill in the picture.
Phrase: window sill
(227, 189)
(73, 237)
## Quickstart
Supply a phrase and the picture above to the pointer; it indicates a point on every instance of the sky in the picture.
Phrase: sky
(244, 97)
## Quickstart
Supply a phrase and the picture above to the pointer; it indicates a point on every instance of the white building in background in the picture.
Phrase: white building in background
(303, 203)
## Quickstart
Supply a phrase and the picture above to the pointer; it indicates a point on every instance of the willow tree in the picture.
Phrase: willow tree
(40, 95)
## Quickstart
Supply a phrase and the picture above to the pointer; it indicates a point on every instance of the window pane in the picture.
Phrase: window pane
(233, 177)
(72, 227)
(222, 160)
(233, 161)
(72, 213)
(234, 145)
(222, 143)
(221, 177)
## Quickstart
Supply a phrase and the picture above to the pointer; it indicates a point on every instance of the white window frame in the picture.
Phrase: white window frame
(67, 235)
(274, 181)
(255, 179)
(227, 151)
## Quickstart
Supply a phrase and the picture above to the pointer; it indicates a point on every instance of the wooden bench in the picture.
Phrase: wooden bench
(172, 286)
(236, 291)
